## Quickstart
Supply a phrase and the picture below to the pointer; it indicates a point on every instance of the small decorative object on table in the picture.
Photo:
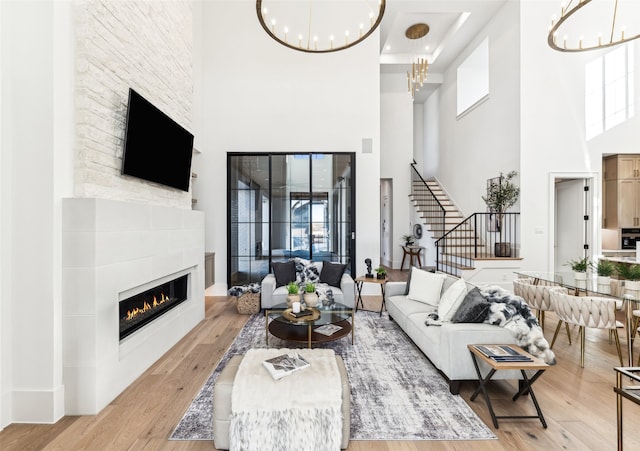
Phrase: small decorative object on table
(381, 272)
(294, 293)
(310, 295)
(367, 262)
(408, 240)
(285, 364)
(248, 298)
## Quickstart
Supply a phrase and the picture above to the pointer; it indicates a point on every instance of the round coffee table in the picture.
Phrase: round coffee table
(303, 329)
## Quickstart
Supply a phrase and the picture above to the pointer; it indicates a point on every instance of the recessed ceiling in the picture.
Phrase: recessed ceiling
(453, 24)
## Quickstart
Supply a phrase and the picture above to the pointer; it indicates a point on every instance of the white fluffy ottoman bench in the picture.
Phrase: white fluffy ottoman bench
(223, 393)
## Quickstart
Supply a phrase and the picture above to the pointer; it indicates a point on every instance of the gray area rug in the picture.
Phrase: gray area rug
(396, 394)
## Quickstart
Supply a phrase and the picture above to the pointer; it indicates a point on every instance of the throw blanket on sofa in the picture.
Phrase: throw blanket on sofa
(512, 312)
(299, 411)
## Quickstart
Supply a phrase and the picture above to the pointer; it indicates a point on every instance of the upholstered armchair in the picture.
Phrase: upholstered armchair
(274, 290)
(585, 311)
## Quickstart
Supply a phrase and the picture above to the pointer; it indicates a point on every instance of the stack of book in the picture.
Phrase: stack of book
(285, 364)
(503, 353)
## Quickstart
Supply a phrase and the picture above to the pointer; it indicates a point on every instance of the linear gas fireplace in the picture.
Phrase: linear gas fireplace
(139, 310)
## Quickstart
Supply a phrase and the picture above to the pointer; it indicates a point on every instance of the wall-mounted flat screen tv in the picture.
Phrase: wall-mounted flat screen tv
(156, 148)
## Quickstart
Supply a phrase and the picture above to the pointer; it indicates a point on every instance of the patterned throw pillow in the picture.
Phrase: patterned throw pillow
(306, 271)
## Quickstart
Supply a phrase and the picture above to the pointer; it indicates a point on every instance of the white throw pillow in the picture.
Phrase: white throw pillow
(425, 286)
(451, 300)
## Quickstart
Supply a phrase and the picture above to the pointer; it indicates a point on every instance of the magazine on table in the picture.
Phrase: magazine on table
(503, 353)
(327, 329)
(285, 364)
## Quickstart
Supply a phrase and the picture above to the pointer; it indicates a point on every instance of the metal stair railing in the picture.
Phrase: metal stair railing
(479, 236)
(426, 201)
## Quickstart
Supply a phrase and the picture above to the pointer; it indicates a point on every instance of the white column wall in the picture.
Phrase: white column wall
(260, 96)
(485, 140)
(396, 149)
(34, 371)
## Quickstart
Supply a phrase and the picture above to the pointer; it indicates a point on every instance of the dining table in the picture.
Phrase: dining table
(590, 286)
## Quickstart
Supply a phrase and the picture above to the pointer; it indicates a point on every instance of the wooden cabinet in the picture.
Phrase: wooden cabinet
(621, 192)
(628, 203)
(622, 167)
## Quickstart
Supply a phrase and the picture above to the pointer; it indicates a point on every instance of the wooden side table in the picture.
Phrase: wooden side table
(535, 364)
(411, 251)
(360, 281)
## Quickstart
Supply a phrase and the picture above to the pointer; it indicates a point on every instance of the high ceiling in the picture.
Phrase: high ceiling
(453, 24)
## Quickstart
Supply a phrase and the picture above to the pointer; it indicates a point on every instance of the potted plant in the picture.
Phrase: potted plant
(294, 293)
(502, 194)
(381, 272)
(408, 240)
(580, 268)
(310, 295)
(631, 275)
(605, 269)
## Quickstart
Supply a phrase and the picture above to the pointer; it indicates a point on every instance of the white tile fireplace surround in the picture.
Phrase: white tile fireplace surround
(113, 249)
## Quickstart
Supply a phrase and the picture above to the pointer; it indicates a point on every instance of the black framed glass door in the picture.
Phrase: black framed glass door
(285, 205)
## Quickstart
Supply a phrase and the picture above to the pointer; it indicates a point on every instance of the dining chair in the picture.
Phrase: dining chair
(585, 311)
(537, 297)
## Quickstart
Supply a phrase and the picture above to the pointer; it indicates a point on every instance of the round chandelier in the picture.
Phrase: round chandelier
(320, 26)
(565, 36)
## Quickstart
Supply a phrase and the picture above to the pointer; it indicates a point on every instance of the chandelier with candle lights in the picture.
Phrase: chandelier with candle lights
(319, 26)
(612, 33)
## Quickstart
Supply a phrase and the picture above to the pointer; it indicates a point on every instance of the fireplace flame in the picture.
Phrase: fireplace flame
(131, 314)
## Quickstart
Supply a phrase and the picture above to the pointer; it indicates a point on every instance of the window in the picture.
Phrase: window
(609, 90)
(473, 78)
(288, 205)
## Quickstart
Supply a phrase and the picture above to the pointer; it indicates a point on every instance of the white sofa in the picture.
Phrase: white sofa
(445, 345)
(271, 295)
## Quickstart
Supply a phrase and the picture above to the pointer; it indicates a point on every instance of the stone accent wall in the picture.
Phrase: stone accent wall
(146, 45)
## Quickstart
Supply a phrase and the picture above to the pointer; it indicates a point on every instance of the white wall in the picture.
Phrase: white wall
(431, 132)
(260, 96)
(553, 132)
(485, 140)
(396, 149)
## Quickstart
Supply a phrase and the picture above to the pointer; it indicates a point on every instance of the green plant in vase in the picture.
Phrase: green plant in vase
(381, 272)
(579, 267)
(294, 293)
(310, 295)
(502, 194)
(605, 269)
(408, 240)
(631, 275)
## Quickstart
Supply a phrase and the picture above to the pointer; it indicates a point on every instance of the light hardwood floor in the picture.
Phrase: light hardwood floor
(578, 404)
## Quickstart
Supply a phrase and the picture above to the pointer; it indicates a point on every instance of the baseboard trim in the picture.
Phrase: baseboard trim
(37, 406)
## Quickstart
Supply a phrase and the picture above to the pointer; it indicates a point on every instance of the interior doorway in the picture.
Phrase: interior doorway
(386, 222)
(574, 216)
